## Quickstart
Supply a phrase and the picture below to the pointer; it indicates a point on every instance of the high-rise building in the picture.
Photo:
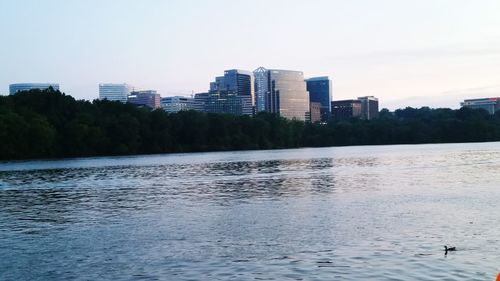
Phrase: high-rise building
(346, 109)
(177, 103)
(491, 105)
(240, 82)
(148, 98)
(261, 88)
(287, 94)
(232, 93)
(14, 88)
(320, 91)
(369, 107)
(114, 92)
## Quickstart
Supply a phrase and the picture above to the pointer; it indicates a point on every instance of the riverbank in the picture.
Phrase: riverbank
(49, 124)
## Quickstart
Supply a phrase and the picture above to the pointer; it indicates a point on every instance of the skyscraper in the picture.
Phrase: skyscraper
(14, 88)
(320, 91)
(114, 92)
(232, 93)
(369, 107)
(287, 94)
(241, 82)
(261, 88)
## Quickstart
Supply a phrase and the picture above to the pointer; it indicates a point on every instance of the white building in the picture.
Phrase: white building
(177, 103)
(491, 105)
(114, 92)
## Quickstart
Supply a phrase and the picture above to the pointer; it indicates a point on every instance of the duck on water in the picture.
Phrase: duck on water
(449, 249)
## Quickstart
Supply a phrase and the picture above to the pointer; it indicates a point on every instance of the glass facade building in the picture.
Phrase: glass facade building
(149, 98)
(287, 94)
(232, 93)
(491, 105)
(261, 88)
(320, 91)
(200, 101)
(114, 92)
(177, 103)
(14, 88)
(228, 102)
(240, 82)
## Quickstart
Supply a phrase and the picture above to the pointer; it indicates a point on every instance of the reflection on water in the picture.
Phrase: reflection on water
(370, 213)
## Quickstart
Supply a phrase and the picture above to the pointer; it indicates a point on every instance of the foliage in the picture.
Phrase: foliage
(408, 126)
(50, 124)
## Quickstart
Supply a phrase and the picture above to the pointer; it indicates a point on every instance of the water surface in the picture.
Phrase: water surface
(354, 213)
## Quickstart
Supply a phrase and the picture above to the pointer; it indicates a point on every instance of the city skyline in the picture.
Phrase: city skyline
(176, 47)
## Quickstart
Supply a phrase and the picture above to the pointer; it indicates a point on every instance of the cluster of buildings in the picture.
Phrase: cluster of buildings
(243, 92)
(125, 93)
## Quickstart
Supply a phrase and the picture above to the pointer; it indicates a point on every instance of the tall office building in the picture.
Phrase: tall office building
(287, 94)
(346, 109)
(148, 98)
(177, 103)
(240, 82)
(114, 92)
(369, 107)
(14, 88)
(320, 91)
(491, 105)
(261, 88)
(232, 93)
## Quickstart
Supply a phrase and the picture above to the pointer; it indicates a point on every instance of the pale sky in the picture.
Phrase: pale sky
(406, 52)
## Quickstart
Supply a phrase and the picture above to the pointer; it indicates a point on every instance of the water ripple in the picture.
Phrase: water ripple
(357, 213)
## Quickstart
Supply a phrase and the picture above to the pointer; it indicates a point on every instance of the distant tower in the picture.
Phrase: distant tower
(260, 88)
(287, 94)
(232, 93)
(320, 91)
(241, 82)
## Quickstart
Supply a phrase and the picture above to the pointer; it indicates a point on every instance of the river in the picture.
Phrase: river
(346, 213)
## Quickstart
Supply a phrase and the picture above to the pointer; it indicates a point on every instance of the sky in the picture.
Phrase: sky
(405, 52)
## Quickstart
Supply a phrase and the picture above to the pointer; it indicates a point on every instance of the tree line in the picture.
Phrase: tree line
(51, 124)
